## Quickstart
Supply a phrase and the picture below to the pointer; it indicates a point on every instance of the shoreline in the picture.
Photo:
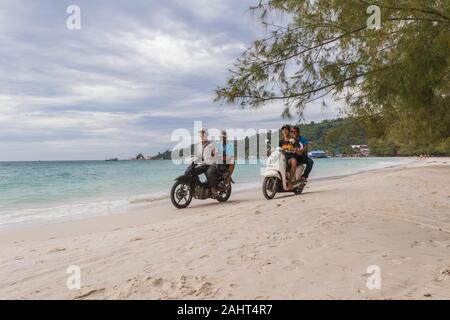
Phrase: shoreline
(137, 209)
(138, 202)
(317, 245)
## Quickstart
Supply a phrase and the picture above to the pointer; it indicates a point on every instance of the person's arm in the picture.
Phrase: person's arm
(230, 153)
(213, 152)
(305, 143)
(298, 148)
(199, 154)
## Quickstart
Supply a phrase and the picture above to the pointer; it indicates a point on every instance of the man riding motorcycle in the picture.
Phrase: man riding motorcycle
(225, 156)
(206, 160)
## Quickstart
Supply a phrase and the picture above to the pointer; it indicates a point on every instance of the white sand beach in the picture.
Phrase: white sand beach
(317, 245)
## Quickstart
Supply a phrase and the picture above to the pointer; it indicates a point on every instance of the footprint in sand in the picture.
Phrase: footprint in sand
(206, 289)
(195, 286)
(400, 260)
(158, 282)
(443, 275)
(445, 271)
(57, 250)
(89, 293)
(294, 265)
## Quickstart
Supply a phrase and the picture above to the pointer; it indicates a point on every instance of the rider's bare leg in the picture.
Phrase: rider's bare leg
(231, 168)
(230, 172)
(292, 172)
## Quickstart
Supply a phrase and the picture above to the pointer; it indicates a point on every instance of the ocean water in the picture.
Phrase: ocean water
(46, 192)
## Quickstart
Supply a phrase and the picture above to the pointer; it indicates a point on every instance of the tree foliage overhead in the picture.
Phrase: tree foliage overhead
(394, 79)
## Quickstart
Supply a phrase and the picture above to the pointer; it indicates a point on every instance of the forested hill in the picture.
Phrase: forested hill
(334, 135)
(166, 155)
(331, 135)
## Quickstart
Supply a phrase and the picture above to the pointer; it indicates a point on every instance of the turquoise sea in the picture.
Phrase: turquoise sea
(45, 192)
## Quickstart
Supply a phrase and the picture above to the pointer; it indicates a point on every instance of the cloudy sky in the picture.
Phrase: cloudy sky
(135, 71)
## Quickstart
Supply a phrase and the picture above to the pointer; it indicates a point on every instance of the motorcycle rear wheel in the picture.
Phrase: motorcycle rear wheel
(224, 196)
(299, 189)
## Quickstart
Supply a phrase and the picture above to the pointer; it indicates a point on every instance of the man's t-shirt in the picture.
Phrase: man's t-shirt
(229, 152)
(206, 153)
(303, 140)
(304, 143)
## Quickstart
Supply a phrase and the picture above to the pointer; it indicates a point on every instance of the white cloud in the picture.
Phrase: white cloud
(181, 51)
(135, 72)
(206, 9)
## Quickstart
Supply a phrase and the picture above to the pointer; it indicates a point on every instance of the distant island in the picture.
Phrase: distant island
(166, 155)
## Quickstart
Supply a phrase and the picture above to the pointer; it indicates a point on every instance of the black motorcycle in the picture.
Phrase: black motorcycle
(189, 186)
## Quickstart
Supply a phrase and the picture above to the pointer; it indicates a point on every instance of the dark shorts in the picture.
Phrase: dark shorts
(222, 168)
(290, 156)
(301, 159)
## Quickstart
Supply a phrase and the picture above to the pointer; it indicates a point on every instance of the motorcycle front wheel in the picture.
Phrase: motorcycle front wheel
(270, 186)
(180, 195)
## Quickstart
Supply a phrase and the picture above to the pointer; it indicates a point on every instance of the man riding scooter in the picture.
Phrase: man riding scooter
(303, 155)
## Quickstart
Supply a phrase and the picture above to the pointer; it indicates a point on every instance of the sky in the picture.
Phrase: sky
(120, 85)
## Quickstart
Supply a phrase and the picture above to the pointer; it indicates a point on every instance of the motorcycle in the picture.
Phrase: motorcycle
(277, 175)
(189, 186)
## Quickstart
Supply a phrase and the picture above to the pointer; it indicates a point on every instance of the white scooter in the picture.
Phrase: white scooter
(276, 175)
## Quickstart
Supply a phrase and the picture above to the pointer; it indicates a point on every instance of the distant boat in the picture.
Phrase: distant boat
(112, 159)
(317, 154)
